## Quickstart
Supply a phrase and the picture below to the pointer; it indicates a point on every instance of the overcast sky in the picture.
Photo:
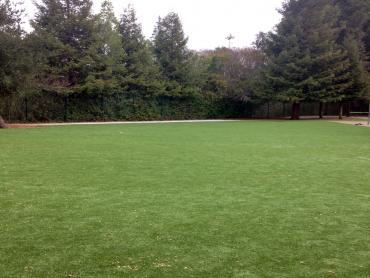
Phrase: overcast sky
(206, 22)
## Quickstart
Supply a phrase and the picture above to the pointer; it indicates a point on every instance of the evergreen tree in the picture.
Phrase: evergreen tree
(62, 36)
(331, 69)
(143, 76)
(173, 56)
(15, 64)
(355, 37)
(360, 86)
(106, 56)
(305, 61)
(356, 15)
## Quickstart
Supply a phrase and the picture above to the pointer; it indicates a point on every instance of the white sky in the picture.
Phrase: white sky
(206, 22)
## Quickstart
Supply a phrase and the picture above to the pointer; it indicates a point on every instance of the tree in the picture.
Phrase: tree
(331, 62)
(143, 75)
(359, 87)
(63, 34)
(355, 37)
(215, 80)
(355, 15)
(236, 71)
(14, 61)
(305, 62)
(106, 57)
(173, 56)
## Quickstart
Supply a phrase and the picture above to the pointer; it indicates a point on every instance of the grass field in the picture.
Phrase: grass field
(240, 199)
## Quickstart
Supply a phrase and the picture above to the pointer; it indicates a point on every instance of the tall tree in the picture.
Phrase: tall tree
(106, 56)
(14, 61)
(143, 76)
(63, 34)
(305, 61)
(355, 37)
(173, 55)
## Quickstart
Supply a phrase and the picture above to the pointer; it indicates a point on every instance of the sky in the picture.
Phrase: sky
(207, 23)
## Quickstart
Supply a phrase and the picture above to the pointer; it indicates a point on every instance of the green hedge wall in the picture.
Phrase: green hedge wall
(45, 107)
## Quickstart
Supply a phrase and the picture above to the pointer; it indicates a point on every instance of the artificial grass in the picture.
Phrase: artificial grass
(239, 199)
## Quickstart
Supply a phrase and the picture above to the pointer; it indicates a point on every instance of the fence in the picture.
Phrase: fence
(85, 107)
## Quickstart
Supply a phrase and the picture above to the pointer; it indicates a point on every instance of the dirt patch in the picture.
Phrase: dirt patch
(348, 121)
(22, 125)
(355, 123)
(112, 123)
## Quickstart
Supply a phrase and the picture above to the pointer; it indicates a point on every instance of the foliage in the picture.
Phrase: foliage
(306, 62)
(15, 61)
(63, 35)
(235, 73)
(355, 38)
(105, 55)
(143, 73)
(173, 56)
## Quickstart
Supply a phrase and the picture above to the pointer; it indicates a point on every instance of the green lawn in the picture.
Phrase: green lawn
(239, 199)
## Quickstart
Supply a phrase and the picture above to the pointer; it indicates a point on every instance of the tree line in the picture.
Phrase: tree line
(318, 53)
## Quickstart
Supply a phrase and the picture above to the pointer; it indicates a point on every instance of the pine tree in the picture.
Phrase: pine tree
(355, 37)
(306, 62)
(15, 63)
(105, 55)
(173, 56)
(356, 15)
(143, 76)
(287, 74)
(360, 86)
(62, 36)
(330, 61)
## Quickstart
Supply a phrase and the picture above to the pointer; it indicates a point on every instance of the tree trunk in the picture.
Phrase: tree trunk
(341, 111)
(2, 123)
(321, 110)
(296, 111)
